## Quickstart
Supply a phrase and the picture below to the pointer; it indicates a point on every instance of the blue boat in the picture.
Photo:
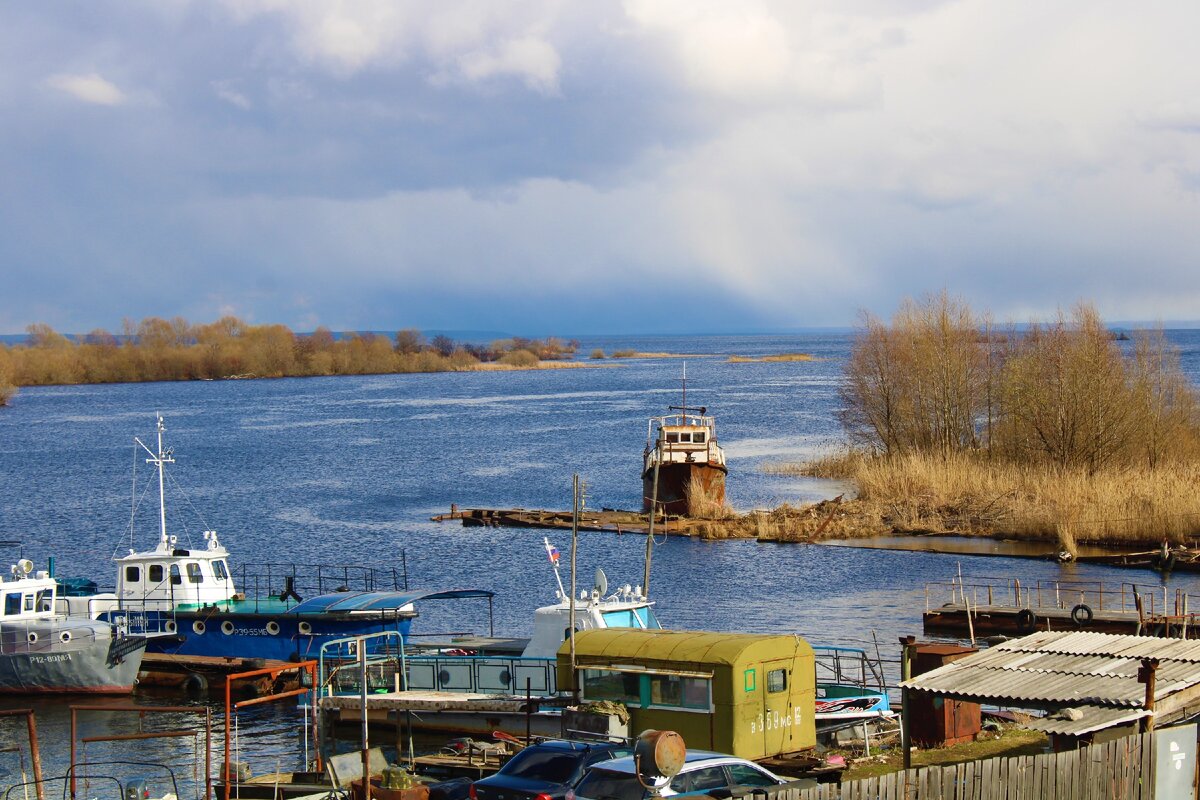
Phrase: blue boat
(187, 601)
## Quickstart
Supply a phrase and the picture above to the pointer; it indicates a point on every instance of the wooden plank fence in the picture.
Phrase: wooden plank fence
(1122, 769)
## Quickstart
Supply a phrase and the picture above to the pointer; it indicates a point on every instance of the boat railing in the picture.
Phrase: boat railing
(339, 668)
(37, 636)
(1126, 597)
(669, 420)
(301, 581)
(144, 618)
(850, 667)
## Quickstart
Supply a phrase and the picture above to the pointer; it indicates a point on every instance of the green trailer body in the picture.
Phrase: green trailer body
(750, 695)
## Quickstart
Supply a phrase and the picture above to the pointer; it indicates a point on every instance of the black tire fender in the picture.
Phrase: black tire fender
(1082, 615)
(1026, 621)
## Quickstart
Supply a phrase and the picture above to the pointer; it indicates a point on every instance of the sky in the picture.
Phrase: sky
(608, 166)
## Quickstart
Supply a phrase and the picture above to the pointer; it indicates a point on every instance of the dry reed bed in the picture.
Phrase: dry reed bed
(1127, 506)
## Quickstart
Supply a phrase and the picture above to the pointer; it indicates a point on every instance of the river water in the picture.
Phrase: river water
(350, 469)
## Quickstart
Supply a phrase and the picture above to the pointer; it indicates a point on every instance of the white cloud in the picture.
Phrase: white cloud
(230, 95)
(533, 60)
(91, 88)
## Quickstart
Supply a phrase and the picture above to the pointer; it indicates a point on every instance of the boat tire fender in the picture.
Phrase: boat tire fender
(170, 626)
(305, 628)
(1026, 621)
(198, 627)
(1082, 615)
(195, 684)
(273, 628)
(227, 628)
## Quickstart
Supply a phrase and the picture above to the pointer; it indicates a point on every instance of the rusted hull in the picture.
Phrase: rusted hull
(674, 483)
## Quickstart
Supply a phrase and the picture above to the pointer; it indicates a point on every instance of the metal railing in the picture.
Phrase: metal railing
(482, 674)
(1012, 593)
(296, 582)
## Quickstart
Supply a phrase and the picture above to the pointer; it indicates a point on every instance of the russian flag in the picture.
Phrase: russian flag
(552, 551)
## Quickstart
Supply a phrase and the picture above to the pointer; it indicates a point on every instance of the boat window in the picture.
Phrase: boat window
(672, 438)
(133, 574)
(12, 604)
(620, 619)
(175, 578)
(624, 687)
(28, 604)
(685, 438)
(645, 615)
(41, 602)
(698, 437)
(194, 573)
(679, 692)
(219, 568)
(155, 573)
(776, 680)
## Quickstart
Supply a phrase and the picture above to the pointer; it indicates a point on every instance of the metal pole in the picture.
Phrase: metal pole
(228, 711)
(574, 541)
(362, 676)
(658, 456)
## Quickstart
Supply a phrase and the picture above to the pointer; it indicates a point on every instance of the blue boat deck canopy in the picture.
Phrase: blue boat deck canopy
(345, 602)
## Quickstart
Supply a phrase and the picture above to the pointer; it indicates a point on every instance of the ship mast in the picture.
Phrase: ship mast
(158, 459)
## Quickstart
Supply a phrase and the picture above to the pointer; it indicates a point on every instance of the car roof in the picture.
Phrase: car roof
(573, 744)
(625, 763)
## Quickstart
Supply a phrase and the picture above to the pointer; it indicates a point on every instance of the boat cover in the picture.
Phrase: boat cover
(343, 602)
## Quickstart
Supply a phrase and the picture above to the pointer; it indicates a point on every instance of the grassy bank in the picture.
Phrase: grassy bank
(1117, 506)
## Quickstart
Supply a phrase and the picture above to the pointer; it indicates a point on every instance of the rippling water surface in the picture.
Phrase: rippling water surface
(350, 469)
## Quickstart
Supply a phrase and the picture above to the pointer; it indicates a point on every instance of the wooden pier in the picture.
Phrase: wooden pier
(204, 674)
(971, 608)
(608, 520)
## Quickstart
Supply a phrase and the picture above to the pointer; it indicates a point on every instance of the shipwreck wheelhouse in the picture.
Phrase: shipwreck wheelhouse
(683, 456)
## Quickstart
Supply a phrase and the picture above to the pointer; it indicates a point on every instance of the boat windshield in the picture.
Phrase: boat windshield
(642, 617)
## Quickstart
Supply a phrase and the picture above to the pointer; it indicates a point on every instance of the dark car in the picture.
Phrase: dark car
(546, 770)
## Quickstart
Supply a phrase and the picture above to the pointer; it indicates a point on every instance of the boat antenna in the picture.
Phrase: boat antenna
(158, 459)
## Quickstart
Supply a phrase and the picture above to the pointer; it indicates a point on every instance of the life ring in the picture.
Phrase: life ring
(227, 628)
(273, 628)
(1026, 621)
(305, 628)
(1082, 615)
(198, 627)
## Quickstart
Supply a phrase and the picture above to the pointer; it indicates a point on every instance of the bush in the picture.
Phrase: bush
(598, 353)
(519, 358)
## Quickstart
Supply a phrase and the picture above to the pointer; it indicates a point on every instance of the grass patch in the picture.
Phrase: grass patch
(1009, 741)
(778, 358)
(598, 353)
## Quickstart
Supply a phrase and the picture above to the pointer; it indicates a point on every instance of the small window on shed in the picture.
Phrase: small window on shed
(133, 574)
(776, 680)
(194, 573)
(155, 573)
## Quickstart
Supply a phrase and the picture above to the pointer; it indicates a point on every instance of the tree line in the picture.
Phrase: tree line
(157, 349)
(941, 380)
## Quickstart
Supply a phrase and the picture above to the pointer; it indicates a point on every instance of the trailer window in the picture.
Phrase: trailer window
(624, 687)
(776, 680)
(675, 691)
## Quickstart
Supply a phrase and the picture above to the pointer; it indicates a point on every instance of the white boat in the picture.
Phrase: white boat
(43, 651)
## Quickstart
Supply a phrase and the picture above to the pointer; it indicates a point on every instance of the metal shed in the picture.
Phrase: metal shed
(746, 694)
(1092, 685)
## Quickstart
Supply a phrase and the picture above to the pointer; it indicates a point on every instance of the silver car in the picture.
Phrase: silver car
(703, 772)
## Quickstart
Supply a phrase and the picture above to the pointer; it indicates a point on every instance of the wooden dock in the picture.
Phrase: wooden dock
(607, 520)
(984, 607)
(204, 674)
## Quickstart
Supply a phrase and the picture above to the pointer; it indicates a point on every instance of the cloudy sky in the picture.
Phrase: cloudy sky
(616, 166)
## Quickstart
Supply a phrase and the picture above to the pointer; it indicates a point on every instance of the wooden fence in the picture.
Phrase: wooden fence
(1122, 769)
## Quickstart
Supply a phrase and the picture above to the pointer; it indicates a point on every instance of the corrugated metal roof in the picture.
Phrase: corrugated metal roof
(1067, 667)
(1094, 718)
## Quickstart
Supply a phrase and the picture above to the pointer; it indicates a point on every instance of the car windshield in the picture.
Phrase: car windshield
(552, 766)
(600, 784)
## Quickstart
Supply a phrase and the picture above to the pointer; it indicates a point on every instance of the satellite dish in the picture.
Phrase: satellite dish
(601, 582)
(25, 566)
(658, 756)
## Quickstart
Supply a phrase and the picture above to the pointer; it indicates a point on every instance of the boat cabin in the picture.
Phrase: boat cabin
(626, 608)
(25, 598)
(168, 577)
(683, 439)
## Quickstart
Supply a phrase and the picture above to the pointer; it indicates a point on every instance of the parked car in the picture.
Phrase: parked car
(546, 770)
(703, 772)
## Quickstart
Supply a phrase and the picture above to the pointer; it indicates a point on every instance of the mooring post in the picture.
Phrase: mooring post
(906, 643)
(1146, 675)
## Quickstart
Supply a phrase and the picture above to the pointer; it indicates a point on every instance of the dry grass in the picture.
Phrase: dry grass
(496, 366)
(706, 504)
(1127, 506)
(779, 358)
(840, 464)
(829, 519)
(1011, 741)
